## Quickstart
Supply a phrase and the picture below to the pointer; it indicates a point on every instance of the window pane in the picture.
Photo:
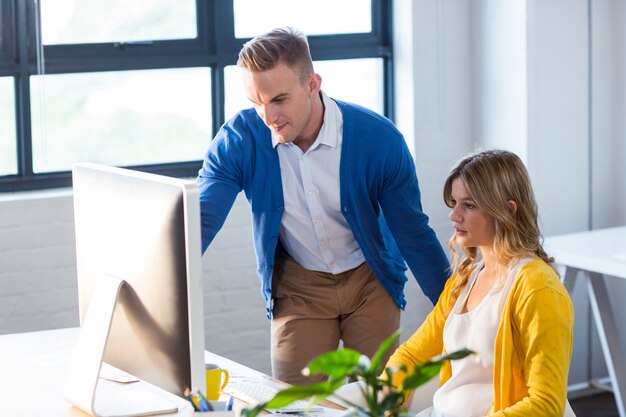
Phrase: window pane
(235, 98)
(80, 21)
(8, 139)
(120, 118)
(358, 81)
(254, 17)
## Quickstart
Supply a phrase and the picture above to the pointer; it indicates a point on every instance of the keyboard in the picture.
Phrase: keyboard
(255, 392)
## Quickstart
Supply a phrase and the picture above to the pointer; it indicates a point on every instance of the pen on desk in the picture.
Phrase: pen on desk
(204, 404)
(191, 399)
(229, 404)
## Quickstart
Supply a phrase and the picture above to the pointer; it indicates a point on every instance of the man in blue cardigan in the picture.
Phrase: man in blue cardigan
(335, 207)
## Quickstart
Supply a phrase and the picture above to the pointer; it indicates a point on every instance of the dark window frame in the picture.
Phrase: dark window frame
(215, 47)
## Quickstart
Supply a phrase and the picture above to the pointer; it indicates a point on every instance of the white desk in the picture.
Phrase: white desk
(597, 253)
(33, 367)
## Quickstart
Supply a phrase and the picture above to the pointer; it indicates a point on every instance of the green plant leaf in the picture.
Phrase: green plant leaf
(392, 400)
(382, 350)
(319, 390)
(337, 364)
(424, 372)
(459, 354)
(254, 411)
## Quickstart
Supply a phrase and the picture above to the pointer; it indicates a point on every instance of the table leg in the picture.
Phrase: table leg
(569, 279)
(609, 338)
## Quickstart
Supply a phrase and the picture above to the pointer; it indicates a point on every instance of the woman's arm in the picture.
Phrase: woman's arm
(427, 341)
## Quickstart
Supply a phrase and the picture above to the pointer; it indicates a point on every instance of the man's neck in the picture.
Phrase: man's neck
(317, 118)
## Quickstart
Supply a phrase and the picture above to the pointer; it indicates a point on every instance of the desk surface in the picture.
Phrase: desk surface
(33, 367)
(602, 250)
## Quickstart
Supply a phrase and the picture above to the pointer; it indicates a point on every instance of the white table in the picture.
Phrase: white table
(598, 254)
(33, 367)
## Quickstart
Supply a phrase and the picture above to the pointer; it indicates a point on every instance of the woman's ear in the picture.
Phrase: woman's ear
(512, 206)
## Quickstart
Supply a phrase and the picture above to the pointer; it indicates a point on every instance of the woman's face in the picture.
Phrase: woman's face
(473, 226)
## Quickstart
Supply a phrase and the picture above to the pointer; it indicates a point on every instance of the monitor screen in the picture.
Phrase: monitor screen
(145, 230)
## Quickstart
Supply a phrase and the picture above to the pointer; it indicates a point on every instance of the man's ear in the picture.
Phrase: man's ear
(512, 206)
(315, 84)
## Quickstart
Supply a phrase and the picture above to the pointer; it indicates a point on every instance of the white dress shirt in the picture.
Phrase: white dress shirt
(313, 230)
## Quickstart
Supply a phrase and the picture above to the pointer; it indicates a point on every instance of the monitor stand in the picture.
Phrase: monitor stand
(81, 384)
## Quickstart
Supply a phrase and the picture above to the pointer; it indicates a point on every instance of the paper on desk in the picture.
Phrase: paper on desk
(325, 412)
(116, 375)
(349, 394)
(329, 412)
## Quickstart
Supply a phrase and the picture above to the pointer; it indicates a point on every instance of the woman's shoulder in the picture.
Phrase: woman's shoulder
(538, 290)
(537, 275)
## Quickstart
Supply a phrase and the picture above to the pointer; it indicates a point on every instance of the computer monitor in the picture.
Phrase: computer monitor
(143, 230)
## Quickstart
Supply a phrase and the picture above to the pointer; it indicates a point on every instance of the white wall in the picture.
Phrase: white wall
(559, 118)
(434, 93)
(37, 262)
(500, 44)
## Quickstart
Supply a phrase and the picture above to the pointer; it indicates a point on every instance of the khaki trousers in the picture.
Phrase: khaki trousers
(313, 311)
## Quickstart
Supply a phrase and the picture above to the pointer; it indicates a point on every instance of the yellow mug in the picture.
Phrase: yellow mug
(216, 380)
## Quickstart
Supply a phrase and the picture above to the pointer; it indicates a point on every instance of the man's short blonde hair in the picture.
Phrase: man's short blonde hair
(285, 45)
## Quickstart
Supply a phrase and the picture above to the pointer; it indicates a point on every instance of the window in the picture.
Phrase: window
(321, 17)
(8, 143)
(73, 21)
(120, 118)
(147, 83)
(356, 80)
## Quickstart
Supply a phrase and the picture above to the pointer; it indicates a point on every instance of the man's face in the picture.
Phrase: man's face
(283, 101)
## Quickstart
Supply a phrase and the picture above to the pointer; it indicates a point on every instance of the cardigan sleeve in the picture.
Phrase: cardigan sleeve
(543, 322)
(427, 341)
(219, 181)
(400, 201)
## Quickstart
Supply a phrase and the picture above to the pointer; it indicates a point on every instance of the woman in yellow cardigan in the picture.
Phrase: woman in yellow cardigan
(504, 301)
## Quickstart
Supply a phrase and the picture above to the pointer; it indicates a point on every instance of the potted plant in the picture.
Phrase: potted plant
(382, 399)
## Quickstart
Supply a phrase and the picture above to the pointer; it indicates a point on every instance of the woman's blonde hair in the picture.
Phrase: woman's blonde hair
(285, 45)
(493, 178)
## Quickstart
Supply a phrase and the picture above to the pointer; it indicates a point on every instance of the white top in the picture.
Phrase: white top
(313, 229)
(469, 391)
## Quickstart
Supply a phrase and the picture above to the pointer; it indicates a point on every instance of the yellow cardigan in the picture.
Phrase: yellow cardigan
(533, 346)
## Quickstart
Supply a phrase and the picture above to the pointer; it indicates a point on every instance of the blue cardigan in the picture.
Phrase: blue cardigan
(377, 175)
